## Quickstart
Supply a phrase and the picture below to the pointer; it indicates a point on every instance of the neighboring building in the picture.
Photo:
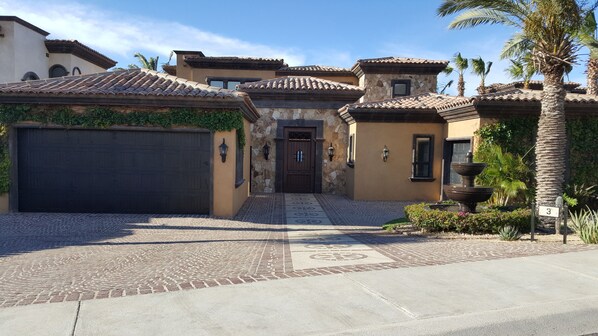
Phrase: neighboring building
(26, 54)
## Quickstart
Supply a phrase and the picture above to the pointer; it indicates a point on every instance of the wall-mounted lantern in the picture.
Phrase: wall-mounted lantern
(266, 149)
(330, 152)
(223, 150)
(385, 152)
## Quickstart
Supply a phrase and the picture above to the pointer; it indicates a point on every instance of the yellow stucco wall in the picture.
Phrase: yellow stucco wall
(228, 199)
(374, 179)
(462, 129)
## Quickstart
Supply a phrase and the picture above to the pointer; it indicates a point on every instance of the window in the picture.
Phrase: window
(239, 162)
(401, 88)
(423, 154)
(76, 71)
(351, 157)
(58, 70)
(30, 75)
(229, 83)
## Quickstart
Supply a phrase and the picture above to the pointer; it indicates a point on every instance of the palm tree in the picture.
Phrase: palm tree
(461, 64)
(549, 28)
(521, 69)
(447, 72)
(587, 37)
(151, 64)
(481, 68)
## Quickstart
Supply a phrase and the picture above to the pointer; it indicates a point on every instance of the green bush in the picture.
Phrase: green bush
(490, 221)
(390, 226)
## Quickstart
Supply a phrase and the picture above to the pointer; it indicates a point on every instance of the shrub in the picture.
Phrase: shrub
(395, 223)
(490, 221)
(509, 233)
(585, 224)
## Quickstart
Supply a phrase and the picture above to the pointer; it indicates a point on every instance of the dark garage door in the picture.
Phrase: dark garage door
(113, 171)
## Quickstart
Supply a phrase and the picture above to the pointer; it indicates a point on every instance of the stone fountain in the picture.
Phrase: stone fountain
(467, 194)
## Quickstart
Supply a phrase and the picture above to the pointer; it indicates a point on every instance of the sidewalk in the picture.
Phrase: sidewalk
(538, 295)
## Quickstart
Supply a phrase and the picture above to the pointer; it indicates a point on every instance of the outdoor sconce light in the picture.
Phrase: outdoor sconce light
(223, 150)
(266, 151)
(385, 152)
(330, 152)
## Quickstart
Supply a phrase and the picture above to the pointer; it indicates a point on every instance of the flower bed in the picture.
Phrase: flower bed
(487, 221)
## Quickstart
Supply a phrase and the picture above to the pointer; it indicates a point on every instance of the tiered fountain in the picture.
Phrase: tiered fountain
(467, 194)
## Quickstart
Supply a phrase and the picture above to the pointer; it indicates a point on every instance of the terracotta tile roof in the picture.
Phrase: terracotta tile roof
(134, 82)
(517, 95)
(314, 68)
(299, 84)
(127, 87)
(400, 60)
(230, 62)
(424, 101)
(533, 85)
(81, 50)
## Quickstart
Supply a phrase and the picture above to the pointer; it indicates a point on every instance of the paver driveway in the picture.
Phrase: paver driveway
(63, 257)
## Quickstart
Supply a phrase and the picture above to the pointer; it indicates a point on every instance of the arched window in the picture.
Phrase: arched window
(30, 75)
(76, 71)
(58, 70)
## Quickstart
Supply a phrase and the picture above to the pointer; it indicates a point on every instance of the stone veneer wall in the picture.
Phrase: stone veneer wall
(378, 86)
(264, 130)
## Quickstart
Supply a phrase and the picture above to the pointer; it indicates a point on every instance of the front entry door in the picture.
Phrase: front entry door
(299, 160)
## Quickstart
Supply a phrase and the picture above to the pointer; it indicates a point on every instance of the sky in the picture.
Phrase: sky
(305, 32)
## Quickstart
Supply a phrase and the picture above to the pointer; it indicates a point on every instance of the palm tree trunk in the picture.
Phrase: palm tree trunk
(592, 76)
(551, 141)
(461, 86)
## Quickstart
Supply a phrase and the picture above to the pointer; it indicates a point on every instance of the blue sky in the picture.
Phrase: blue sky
(327, 32)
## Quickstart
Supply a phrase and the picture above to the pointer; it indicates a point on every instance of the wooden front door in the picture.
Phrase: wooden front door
(299, 160)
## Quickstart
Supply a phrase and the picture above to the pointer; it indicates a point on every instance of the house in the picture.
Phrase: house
(27, 54)
(203, 136)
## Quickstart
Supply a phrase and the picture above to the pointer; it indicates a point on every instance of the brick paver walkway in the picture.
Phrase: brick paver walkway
(66, 257)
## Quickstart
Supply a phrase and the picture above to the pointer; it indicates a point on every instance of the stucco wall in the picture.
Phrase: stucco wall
(70, 61)
(375, 179)
(21, 50)
(462, 129)
(378, 86)
(228, 199)
(264, 131)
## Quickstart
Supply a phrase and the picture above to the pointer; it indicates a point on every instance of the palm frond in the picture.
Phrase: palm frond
(476, 17)
(516, 46)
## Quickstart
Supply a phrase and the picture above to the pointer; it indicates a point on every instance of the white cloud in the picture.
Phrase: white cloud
(120, 35)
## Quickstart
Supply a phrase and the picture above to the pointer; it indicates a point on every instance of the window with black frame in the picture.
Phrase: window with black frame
(351, 157)
(240, 157)
(423, 154)
(229, 83)
(401, 87)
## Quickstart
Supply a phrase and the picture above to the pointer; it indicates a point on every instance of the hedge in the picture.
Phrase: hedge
(489, 221)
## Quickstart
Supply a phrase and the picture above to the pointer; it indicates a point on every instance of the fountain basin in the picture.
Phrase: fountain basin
(468, 169)
(468, 194)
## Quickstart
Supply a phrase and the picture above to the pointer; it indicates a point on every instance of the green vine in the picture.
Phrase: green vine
(103, 117)
(518, 136)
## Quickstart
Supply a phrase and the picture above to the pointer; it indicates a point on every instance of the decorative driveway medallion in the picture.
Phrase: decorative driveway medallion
(338, 256)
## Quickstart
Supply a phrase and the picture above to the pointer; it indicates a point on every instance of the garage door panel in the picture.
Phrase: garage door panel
(113, 171)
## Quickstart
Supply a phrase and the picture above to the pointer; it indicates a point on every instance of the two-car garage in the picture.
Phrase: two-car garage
(112, 171)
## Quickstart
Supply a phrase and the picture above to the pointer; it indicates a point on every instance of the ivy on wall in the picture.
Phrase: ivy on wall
(518, 136)
(103, 117)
